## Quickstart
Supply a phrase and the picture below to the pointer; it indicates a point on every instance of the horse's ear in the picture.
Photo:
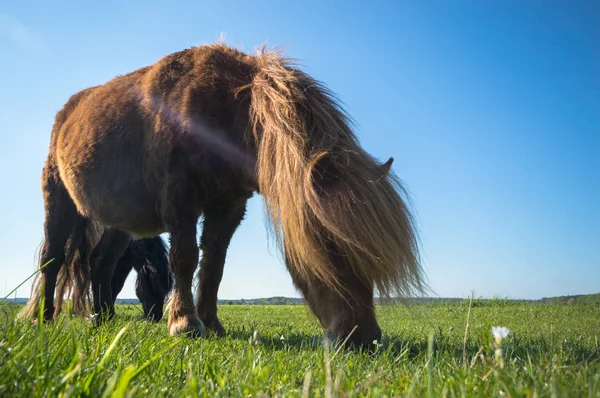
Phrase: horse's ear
(385, 168)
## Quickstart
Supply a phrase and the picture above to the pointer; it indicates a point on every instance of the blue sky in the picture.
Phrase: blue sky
(492, 112)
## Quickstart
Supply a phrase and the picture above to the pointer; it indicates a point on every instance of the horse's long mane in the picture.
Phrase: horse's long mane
(323, 191)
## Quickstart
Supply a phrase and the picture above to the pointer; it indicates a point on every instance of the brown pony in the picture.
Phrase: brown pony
(195, 135)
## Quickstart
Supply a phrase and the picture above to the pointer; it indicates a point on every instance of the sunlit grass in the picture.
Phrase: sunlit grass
(552, 350)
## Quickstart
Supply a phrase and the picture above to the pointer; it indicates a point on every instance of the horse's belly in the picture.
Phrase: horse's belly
(132, 214)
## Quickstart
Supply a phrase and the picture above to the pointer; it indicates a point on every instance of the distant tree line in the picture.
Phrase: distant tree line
(477, 302)
(577, 299)
(265, 301)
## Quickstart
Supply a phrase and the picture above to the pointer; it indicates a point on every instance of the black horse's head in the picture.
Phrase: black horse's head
(154, 281)
(152, 288)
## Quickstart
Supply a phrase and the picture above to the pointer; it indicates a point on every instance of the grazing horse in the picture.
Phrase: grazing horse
(149, 258)
(196, 134)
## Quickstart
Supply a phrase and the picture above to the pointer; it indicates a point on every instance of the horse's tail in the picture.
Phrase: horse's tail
(74, 278)
(73, 273)
(325, 196)
(31, 308)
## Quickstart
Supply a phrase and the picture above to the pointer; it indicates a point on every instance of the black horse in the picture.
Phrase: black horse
(149, 258)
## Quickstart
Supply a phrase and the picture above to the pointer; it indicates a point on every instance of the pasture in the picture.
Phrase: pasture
(278, 350)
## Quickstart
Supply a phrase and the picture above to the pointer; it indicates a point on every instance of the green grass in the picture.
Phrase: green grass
(552, 350)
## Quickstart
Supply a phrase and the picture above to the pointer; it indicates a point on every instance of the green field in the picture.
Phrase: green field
(552, 350)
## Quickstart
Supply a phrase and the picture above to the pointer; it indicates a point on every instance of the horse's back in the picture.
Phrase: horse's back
(115, 146)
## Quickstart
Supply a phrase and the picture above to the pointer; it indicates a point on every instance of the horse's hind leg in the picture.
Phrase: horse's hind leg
(61, 220)
(220, 222)
(103, 260)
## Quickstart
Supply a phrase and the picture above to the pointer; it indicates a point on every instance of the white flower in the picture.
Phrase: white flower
(500, 332)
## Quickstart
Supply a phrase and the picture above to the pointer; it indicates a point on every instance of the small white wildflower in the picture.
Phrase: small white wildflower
(377, 344)
(282, 338)
(500, 332)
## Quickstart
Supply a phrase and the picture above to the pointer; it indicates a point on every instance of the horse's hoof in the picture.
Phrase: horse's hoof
(153, 317)
(102, 317)
(96, 319)
(48, 315)
(188, 324)
(215, 327)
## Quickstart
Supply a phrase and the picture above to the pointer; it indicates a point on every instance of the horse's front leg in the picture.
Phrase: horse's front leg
(122, 269)
(184, 260)
(103, 261)
(220, 222)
